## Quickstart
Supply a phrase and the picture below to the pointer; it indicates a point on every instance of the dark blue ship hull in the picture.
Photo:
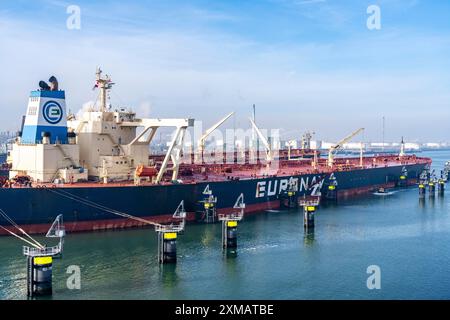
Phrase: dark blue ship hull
(90, 208)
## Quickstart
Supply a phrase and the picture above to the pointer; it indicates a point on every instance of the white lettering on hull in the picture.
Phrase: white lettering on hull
(274, 187)
(272, 191)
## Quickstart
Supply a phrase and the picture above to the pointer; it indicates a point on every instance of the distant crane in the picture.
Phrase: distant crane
(339, 145)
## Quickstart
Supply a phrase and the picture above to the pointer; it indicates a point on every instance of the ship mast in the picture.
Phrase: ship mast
(103, 84)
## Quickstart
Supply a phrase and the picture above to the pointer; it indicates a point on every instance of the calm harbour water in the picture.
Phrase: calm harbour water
(409, 241)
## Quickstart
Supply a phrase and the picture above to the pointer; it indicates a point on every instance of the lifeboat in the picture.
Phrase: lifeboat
(143, 171)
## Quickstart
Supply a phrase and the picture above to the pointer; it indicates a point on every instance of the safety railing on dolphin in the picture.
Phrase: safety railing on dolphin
(305, 202)
(231, 216)
(170, 228)
(37, 252)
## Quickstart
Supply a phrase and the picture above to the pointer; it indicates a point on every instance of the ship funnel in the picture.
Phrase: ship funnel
(53, 83)
(44, 86)
(46, 113)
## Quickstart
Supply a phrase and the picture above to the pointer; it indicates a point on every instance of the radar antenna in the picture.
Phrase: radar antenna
(104, 84)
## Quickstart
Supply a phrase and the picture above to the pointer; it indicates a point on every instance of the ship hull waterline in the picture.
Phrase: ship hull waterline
(34, 209)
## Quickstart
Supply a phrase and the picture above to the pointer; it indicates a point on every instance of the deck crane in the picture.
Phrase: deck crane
(339, 145)
(269, 154)
(202, 140)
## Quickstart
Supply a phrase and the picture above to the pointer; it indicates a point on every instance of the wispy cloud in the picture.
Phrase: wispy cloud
(301, 2)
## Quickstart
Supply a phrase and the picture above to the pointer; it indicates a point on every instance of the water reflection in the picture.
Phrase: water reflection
(431, 201)
(422, 202)
(309, 237)
(168, 275)
(209, 236)
(230, 253)
(441, 200)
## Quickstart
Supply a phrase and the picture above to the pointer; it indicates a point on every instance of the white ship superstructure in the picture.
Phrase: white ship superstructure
(99, 145)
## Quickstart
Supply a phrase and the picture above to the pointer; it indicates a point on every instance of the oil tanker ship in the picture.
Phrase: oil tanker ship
(96, 168)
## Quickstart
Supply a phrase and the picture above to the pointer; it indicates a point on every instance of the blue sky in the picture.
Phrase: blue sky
(306, 64)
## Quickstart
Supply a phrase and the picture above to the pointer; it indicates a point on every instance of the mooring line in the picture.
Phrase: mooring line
(11, 221)
(101, 207)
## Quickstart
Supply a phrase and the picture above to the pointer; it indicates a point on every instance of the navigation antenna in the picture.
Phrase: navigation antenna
(104, 84)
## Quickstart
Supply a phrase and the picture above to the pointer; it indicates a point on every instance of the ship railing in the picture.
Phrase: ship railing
(309, 202)
(37, 252)
(170, 228)
(237, 216)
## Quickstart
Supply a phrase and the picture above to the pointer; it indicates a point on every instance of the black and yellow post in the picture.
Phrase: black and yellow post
(229, 234)
(289, 199)
(167, 247)
(292, 199)
(167, 236)
(432, 188)
(422, 190)
(403, 182)
(39, 275)
(207, 212)
(210, 212)
(441, 187)
(331, 193)
(230, 226)
(308, 217)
